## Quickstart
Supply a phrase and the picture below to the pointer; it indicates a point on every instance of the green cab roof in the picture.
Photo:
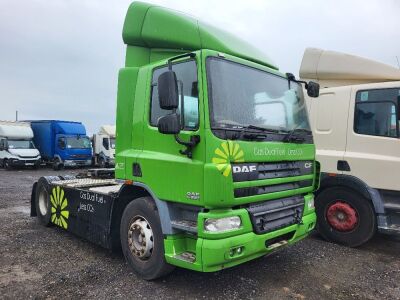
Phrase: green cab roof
(151, 26)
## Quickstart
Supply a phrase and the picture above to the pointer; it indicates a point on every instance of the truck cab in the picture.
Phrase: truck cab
(16, 146)
(103, 144)
(215, 161)
(62, 143)
(355, 124)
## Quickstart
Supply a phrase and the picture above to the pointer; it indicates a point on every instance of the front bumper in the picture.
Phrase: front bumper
(77, 163)
(111, 162)
(216, 254)
(24, 162)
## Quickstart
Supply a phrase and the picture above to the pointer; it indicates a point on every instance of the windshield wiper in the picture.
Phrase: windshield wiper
(258, 135)
(264, 129)
(251, 132)
(297, 135)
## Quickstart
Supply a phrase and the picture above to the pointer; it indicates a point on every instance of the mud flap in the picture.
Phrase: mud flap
(33, 196)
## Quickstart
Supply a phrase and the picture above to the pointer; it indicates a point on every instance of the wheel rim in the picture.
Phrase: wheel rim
(342, 216)
(43, 203)
(140, 238)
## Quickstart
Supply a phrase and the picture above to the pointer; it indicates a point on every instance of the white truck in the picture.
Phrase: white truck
(104, 146)
(355, 123)
(16, 146)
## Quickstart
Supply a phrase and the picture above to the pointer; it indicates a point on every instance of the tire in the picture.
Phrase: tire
(58, 165)
(42, 202)
(7, 165)
(148, 261)
(36, 166)
(345, 217)
(102, 162)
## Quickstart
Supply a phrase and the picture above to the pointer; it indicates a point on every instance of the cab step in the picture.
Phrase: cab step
(185, 225)
(392, 229)
(186, 256)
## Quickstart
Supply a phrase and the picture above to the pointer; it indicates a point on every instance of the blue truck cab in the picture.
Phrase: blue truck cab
(62, 143)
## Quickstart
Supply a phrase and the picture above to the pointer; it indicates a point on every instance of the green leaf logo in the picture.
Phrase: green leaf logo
(59, 204)
(225, 154)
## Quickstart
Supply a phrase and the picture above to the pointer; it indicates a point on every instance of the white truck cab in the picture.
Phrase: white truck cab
(355, 123)
(104, 146)
(16, 146)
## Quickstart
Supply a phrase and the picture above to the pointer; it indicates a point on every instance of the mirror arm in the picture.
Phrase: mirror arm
(291, 77)
(194, 140)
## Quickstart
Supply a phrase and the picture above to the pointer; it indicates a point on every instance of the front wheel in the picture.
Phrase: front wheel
(7, 165)
(142, 240)
(58, 165)
(345, 217)
(102, 162)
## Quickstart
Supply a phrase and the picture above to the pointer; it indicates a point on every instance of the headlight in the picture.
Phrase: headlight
(222, 224)
(310, 204)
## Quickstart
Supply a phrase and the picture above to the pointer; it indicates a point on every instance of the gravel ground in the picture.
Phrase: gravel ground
(39, 262)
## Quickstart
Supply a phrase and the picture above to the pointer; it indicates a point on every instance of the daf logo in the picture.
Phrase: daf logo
(244, 169)
(308, 165)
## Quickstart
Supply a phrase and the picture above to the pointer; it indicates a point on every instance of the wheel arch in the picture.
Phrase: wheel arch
(46, 181)
(127, 194)
(355, 184)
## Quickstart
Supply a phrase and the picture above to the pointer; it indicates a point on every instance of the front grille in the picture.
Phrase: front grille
(28, 157)
(264, 173)
(259, 190)
(275, 214)
(259, 171)
(85, 156)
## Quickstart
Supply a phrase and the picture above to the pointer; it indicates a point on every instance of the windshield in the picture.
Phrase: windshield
(20, 144)
(112, 143)
(78, 142)
(241, 96)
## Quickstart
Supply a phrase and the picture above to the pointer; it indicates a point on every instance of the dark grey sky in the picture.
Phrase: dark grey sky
(59, 59)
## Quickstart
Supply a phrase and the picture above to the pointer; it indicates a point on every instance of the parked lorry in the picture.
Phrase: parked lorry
(62, 143)
(104, 146)
(214, 155)
(355, 123)
(16, 146)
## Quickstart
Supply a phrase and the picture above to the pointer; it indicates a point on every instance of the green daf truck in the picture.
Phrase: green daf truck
(215, 161)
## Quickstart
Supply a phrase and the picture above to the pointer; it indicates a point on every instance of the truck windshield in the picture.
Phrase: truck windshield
(112, 143)
(78, 142)
(242, 96)
(20, 144)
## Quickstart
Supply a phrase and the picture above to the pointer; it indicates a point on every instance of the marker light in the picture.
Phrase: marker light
(310, 204)
(222, 224)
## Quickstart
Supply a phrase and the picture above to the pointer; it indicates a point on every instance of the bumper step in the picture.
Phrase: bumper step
(185, 225)
(392, 229)
(186, 256)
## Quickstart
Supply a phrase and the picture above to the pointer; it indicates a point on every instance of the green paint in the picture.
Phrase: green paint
(154, 34)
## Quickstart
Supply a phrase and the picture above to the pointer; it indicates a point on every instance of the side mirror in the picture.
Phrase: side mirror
(169, 124)
(313, 89)
(168, 90)
(61, 144)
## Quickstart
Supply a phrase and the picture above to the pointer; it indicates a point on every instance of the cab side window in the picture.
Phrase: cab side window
(376, 112)
(105, 143)
(61, 143)
(186, 73)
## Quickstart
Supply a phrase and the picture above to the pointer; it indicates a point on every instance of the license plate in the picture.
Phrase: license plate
(29, 164)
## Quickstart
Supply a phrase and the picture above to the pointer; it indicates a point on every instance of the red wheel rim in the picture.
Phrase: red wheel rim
(342, 216)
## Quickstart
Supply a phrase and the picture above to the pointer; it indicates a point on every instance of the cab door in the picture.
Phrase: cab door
(373, 144)
(170, 174)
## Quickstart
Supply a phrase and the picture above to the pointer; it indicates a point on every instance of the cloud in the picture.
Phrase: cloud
(60, 59)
